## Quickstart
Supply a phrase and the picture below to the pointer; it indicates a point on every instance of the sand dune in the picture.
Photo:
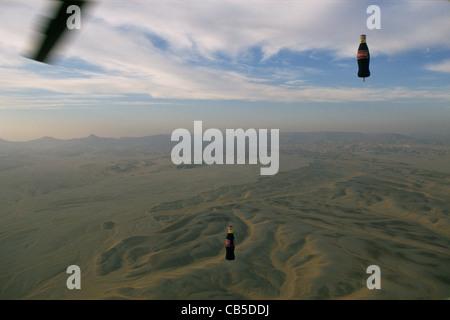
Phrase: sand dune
(141, 228)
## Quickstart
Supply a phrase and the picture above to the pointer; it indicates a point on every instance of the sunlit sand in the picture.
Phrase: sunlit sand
(139, 227)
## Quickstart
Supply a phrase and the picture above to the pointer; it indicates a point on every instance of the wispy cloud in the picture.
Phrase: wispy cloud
(443, 66)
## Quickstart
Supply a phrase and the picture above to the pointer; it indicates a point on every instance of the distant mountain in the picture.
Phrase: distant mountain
(43, 142)
(344, 137)
(163, 142)
(431, 136)
(91, 143)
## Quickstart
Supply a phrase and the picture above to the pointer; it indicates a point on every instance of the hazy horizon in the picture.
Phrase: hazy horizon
(419, 135)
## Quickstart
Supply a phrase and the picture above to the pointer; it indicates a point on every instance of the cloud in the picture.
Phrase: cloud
(443, 66)
(218, 50)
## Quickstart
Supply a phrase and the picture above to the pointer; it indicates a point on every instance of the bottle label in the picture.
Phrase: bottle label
(363, 54)
(228, 243)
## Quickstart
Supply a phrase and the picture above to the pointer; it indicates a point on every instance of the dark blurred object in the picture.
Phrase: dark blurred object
(229, 244)
(54, 29)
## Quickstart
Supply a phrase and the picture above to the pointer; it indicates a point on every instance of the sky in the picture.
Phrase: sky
(138, 68)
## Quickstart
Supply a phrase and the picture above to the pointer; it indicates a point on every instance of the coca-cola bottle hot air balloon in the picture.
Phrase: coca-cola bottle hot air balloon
(229, 244)
(363, 58)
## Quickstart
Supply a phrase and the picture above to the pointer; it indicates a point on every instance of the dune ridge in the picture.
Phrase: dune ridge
(141, 228)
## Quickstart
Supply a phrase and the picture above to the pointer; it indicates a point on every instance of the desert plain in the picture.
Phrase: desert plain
(140, 227)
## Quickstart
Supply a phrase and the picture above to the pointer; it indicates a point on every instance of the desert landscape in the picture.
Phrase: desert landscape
(140, 227)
